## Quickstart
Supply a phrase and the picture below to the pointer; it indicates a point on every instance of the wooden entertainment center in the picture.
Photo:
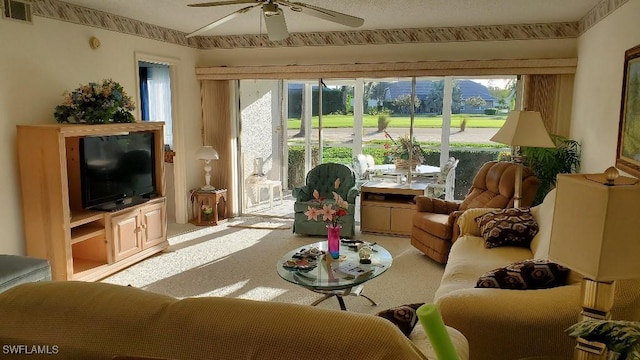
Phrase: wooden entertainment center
(84, 244)
(387, 207)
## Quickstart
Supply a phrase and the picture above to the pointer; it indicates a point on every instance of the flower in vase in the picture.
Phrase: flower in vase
(207, 209)
(330, 210)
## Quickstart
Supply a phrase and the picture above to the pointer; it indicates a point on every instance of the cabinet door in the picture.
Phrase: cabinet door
(374, 218)
(153, 225)
(402, 220)
(126, 235)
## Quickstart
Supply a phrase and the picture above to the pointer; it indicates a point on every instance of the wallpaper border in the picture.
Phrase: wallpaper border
(63, 11)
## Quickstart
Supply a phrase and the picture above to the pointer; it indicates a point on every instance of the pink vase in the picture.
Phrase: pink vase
(333, 239)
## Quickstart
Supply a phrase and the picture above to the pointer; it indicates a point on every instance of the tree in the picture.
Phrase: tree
(501, 94)
(475, 102)
(303, 117)
(510, 90)
(403, 103)
(376, 91)
(456, 101)
(434, 99)
(347, 96)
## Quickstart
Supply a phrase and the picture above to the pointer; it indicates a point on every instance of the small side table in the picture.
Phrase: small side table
(270, 185)
(208, 207)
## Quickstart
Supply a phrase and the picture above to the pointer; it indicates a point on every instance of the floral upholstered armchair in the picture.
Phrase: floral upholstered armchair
(325, 179)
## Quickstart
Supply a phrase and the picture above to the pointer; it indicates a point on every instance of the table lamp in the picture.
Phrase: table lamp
(595, 232)
(522, 128)
(207, 153)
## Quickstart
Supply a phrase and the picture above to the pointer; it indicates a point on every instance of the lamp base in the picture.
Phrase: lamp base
(597, 301)
(517, 193)
(208, 188)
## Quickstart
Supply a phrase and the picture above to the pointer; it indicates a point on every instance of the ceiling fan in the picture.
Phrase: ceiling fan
(274, 16)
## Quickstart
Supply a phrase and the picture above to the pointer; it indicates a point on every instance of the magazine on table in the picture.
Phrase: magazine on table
(354, 270)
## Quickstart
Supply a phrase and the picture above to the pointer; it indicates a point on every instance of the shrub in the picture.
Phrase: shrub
(383, 122)
(490, 111)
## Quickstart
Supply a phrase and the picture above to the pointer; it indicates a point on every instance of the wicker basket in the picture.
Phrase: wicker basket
(402, 164)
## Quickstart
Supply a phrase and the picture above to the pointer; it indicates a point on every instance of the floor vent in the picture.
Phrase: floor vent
(17, 10)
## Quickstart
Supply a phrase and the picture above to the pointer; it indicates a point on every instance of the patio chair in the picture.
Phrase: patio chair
(361, 165)
(446, 183)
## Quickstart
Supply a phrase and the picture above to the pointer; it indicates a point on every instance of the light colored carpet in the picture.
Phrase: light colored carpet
(241, 263)
(259, 222)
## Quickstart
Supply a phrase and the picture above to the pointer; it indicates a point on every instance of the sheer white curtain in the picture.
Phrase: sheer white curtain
(159, 84)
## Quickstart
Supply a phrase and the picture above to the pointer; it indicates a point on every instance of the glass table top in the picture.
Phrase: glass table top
(325, 276)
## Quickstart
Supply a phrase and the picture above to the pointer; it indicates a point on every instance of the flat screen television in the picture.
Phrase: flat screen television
(117, 171)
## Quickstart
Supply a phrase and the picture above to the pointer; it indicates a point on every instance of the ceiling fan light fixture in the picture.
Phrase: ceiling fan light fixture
(274, 16)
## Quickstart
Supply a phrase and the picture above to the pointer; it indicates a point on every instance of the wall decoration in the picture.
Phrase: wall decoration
(628, 155)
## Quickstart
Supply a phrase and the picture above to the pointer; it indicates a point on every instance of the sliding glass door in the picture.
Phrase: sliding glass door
(261, 135)
(290, 126)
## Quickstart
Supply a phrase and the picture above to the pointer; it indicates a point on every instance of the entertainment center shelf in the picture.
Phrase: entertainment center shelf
(83, 244)
(83, 226)
(388, 208)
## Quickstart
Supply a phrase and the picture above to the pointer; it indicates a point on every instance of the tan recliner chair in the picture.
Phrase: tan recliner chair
(434, 223)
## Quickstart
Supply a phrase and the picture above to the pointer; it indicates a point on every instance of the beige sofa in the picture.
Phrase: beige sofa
(515, 324)
(77, 320)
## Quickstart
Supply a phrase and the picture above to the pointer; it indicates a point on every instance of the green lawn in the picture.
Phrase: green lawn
(420, 121)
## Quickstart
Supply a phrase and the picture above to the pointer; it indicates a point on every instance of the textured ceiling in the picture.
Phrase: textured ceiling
(378, 14)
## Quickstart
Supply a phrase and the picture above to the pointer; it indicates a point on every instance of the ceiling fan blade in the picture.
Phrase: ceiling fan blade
(326, 14)
(276, 26)
(230, 2)
(222, 20)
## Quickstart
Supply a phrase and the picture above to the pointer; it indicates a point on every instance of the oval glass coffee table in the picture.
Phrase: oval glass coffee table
(330, 277)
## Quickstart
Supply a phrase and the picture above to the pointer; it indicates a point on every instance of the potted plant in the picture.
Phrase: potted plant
(400, 149)
(547, 163)
(622, 338)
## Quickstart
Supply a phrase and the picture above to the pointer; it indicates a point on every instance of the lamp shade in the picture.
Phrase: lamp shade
(524, 128)
(596, 226)
(207, 153)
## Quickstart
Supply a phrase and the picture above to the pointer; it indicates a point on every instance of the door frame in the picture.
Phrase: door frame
(179, 163)
(279, 131)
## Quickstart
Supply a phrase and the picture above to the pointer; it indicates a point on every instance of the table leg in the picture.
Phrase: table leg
(215, 210)
(325, 297)
(328, 296)
(270, 196)
(373, 303)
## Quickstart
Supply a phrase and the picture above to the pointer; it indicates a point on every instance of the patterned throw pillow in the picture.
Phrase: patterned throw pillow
(527, 274)
(403, 316)
(507, 227)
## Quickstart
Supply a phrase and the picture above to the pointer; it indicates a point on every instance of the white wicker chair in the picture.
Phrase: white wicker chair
(446, 183)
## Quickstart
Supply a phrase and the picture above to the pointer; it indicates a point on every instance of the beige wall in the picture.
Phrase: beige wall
(39, 62)
(598, 86)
